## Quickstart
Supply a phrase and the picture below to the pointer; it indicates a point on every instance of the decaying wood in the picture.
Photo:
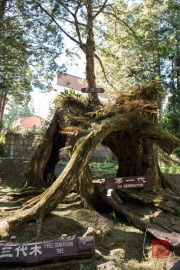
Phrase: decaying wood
(44, 203)
(85, 188)
(150, 198)
(47, 154)
(112, 199)
(47, 201)
(111, 265)
(173, 238)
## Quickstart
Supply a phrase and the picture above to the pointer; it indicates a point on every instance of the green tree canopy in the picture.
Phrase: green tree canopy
(132, 44)
(15, 111)
(29, 48)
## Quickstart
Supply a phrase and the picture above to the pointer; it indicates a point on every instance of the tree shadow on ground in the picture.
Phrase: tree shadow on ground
(69, 218)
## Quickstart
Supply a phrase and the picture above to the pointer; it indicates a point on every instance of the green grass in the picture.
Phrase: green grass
(103, 166)
(102, 170)
(170, 169)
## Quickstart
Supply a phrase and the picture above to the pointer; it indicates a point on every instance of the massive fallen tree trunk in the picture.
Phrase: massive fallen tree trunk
(155, 229)
(40, 206)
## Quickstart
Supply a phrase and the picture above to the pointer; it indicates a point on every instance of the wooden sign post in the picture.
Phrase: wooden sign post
(55, 250)
(129, 182)
(92, 90)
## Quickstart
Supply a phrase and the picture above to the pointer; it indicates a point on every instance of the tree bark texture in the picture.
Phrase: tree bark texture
(3, 102)
(85, 188)
(136, 149)
(43, 204)
(3, 94)
(90, 50)
(41, 172)
(3, 4)
(116, 204)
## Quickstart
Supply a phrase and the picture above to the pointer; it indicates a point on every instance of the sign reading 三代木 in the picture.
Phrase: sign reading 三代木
(92, 90)
(35, 253)
(129, 182)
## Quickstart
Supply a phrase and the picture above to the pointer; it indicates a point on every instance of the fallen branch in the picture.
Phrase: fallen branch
(111, 198)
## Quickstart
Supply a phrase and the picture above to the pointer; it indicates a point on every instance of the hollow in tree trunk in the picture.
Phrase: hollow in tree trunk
(41, 205)
(42, 166)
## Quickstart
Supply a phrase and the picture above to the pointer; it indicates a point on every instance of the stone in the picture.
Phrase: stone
(4, 229)
(98, 235)
(98, 255)
(110, 265)
(13, 238)
(90, 232)
(117, 254)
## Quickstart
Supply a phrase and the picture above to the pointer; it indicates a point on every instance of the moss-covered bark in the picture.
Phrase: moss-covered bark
(41, 205)
(154, 228)
(136, 148)
(43, 162)
(85, 188)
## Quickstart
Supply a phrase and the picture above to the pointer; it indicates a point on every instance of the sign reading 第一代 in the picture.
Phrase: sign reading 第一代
(35, 253)
(92, 90)
(129, 182)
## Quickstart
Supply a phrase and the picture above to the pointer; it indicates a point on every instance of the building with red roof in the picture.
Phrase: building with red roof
(29, 123)
(73, 82)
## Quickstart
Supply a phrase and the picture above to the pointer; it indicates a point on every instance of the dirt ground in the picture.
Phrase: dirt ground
(117, 233)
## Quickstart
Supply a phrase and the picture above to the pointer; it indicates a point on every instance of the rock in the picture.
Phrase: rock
(64, 236)
(98, 235)
(90, 232)
(4, 230)
(98, 255)
(117, 253)
(13, 238)
(110, 265)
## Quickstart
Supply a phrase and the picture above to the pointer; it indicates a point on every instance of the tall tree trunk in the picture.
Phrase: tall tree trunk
(3, 5)
(3, 96)
(84, 182)
(3, 102)
(90, 49)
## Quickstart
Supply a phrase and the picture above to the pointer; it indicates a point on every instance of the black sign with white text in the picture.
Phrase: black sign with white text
(92, 90)
(129, 182)
(35, 253)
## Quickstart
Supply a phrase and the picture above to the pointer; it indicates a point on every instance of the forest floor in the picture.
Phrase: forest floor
(70, 218)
